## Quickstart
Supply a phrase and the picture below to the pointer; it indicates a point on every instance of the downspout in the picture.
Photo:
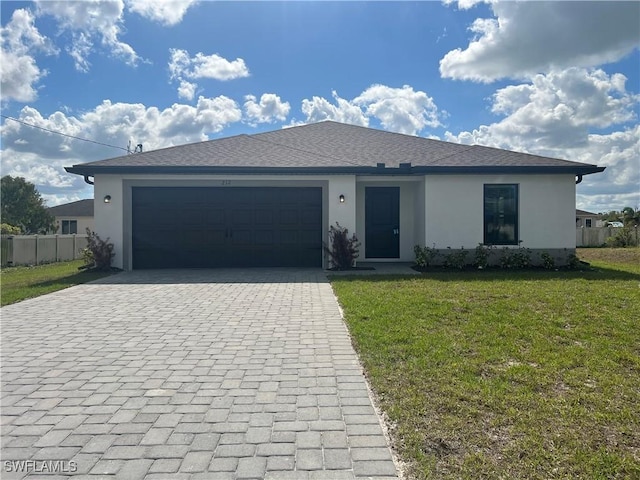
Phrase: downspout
(578, 179)
(86, 179)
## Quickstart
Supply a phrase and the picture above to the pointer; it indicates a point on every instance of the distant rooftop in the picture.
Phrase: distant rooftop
(584, 213)
(81, 208)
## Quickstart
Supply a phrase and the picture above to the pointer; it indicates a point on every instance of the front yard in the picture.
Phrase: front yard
(502, 374)
(20, 283)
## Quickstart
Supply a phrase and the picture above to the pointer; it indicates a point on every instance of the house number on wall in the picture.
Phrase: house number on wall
(226, 182)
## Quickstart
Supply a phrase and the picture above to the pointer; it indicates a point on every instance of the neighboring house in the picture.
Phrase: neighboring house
(268, 199)
(586, 219)
(74, 217)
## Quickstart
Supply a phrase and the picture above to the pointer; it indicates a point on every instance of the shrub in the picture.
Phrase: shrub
(506, 259)
(548, 261)
(6, 229)
(98, 253)
(573, 262)
(624, 238)
(424, 255)
(343, 249)
(481, 256)
(522, 258)
(455, 258)
(515, 258)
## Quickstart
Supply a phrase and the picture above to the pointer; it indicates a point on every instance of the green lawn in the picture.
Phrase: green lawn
(495, 374)
(20, 283)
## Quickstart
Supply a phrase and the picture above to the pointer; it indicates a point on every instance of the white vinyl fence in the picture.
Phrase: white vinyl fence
(596, 236)
(38, 249)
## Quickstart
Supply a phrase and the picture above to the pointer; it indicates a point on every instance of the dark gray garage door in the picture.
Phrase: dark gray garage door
(203, 227)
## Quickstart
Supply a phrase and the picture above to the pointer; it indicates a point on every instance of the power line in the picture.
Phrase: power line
(63, 134)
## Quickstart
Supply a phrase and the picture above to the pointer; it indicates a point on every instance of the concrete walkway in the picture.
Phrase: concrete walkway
(216, 374)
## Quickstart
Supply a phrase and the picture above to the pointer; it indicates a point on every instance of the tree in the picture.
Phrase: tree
(22, 206)
(630, 216)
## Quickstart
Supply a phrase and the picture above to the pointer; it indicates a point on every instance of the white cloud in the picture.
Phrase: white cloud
(269, 109)
(187, 90)
(402, 110)
(562, 115)
(87, 21)
(182, 67)
(166, 12)
(318, 109)
(40, 156)
(526, 38)
(20, 73)
(212, 66)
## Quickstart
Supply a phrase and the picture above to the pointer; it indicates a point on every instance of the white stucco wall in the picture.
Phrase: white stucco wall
(454, 210)
(108, 217)
(443, 209)
(343, 213)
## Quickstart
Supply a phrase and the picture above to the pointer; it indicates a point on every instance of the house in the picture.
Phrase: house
(586, 219)
(74, 217)
(268, 199)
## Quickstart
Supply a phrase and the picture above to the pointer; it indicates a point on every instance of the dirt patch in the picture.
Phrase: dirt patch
(629, 255)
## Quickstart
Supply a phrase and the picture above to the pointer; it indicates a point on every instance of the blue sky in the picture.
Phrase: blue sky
(551, 78)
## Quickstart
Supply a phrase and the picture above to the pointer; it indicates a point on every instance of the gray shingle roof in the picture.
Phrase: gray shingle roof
(81, 208)
(332, 147)
(584, 213)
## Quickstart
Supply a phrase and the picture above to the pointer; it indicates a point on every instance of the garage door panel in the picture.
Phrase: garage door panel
(264, 216)
(289, 216)
(242, 216)
(214, 216)
(177, 227)
(264, 237)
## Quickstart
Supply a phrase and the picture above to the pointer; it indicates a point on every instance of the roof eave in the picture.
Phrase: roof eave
(93, 170)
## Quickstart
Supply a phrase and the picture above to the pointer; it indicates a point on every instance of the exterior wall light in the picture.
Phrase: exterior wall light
(107, 199)
(341, 197)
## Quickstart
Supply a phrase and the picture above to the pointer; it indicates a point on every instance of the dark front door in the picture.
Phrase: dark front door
(382, 222)
(187, 227)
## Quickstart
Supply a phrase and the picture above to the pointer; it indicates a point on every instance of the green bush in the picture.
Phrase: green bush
(98, 253)
(515, 258)
(548, 261)
(456, 258)
(424, 255)
(624, 238)
(481, 256)
(343, 249)
(522, 258)
(6, 229)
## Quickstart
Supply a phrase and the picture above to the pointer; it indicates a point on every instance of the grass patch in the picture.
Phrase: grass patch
(20, 283)
(495, 374)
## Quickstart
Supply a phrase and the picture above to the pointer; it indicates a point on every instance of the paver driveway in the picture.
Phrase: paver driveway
(231, 374)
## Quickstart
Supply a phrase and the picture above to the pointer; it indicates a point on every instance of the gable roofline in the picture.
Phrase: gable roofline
(330, 148)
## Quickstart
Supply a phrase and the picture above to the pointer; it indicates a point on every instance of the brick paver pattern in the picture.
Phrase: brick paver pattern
(216, 374)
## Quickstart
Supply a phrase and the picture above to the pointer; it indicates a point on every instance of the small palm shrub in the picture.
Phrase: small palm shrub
(343, 249)
(98, 253)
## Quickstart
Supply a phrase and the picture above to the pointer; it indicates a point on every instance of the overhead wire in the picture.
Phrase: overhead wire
(63, 134)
